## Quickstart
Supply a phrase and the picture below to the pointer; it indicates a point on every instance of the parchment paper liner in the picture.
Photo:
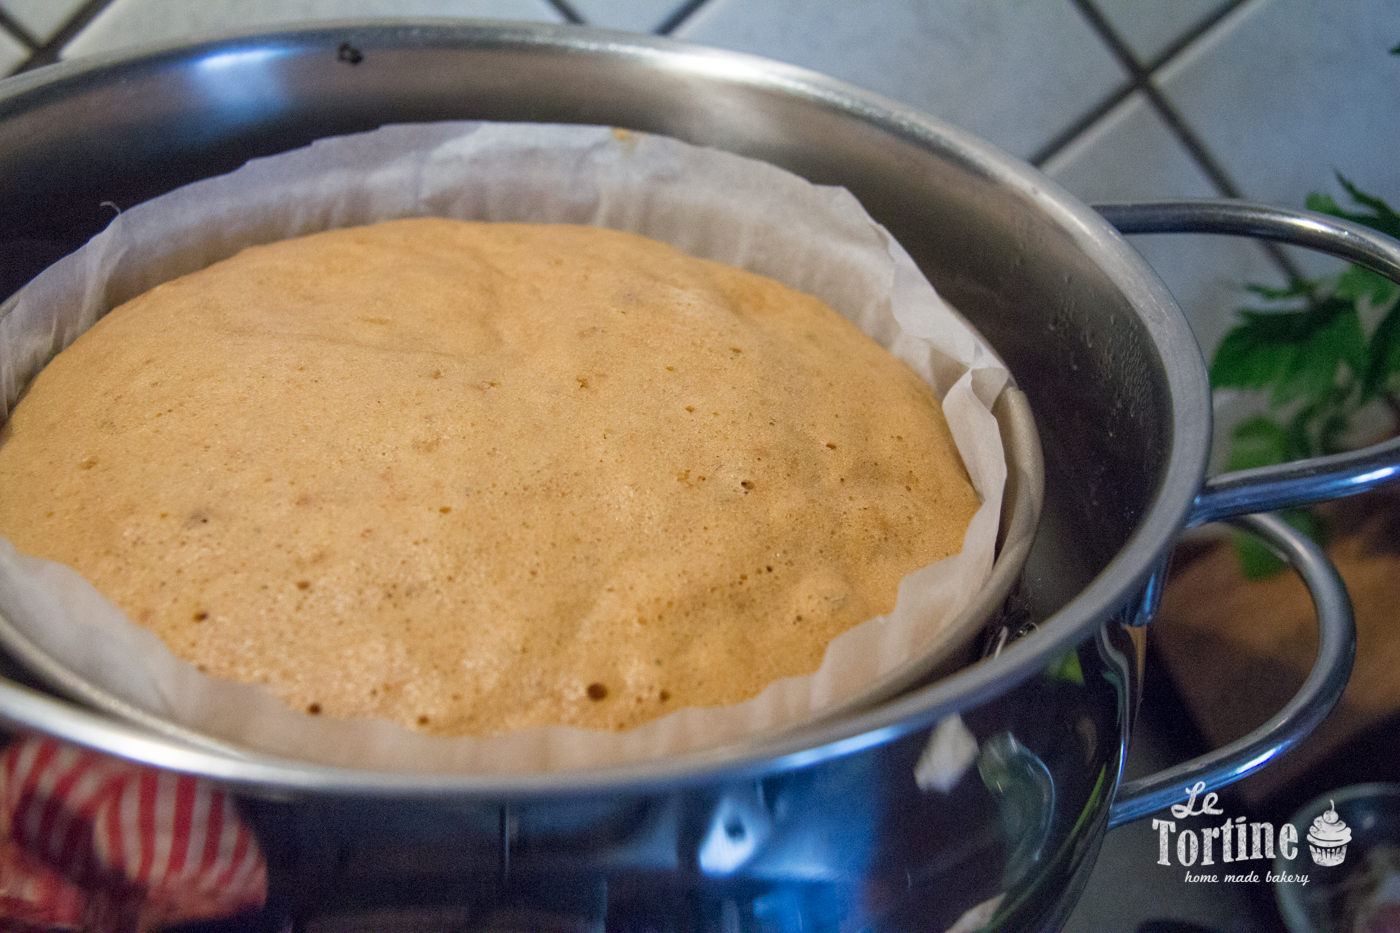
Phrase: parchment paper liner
(705, 202)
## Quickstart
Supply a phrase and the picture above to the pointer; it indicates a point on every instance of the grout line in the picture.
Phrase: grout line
(1143, 81)
(1195, 32)
(16, 29)
(47, 53)
(1080, 126)
(1195, 146)
(672, 22)
(568, 12)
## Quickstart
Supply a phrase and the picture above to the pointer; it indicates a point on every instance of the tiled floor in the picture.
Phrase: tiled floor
(1114, 99)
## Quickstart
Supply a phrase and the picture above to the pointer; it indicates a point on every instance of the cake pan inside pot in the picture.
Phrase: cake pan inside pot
(823, 244)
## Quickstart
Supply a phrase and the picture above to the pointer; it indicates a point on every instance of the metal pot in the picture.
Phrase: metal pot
(827, 826)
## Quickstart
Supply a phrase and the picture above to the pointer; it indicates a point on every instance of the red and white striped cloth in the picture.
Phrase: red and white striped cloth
(93, 843)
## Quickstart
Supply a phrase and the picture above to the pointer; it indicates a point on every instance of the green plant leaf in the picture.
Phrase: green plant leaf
(1298, 443)
(1322, 203)
(1258, 442)
(1248, 359)
(1382, 216)
(1330, 433)
(1293, 354)
(1384, 355)
(1260, 349)
(1312, 356)
(1341, 340)
(1357, 283)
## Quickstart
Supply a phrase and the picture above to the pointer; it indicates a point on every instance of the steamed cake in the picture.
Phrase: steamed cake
(479, 477)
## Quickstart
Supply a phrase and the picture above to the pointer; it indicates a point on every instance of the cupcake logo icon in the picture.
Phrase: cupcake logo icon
(1328, 838)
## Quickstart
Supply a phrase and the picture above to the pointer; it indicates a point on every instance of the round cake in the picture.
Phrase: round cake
(474, 478)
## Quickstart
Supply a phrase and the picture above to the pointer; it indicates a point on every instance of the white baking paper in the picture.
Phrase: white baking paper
(708, 203)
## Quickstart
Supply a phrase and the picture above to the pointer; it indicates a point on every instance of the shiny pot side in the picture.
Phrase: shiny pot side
(864, 840)
(1088, 331)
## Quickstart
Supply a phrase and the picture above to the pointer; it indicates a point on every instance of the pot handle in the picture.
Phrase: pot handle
(1310, 705)
(1301, 482)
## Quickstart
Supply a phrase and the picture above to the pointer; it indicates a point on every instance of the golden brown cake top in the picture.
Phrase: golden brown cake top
(479, 477)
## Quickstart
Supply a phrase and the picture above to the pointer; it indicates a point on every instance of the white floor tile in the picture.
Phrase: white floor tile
(1016, 72)
(137, 22)
(1287, 92)
(42, 18)
(634, 15)
(1148, 28)
(12, 53)
(1133, 156)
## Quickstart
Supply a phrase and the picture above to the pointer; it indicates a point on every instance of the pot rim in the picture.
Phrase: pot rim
(1116, 587)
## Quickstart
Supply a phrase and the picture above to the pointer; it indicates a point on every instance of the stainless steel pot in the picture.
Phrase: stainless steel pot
(827, 826)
